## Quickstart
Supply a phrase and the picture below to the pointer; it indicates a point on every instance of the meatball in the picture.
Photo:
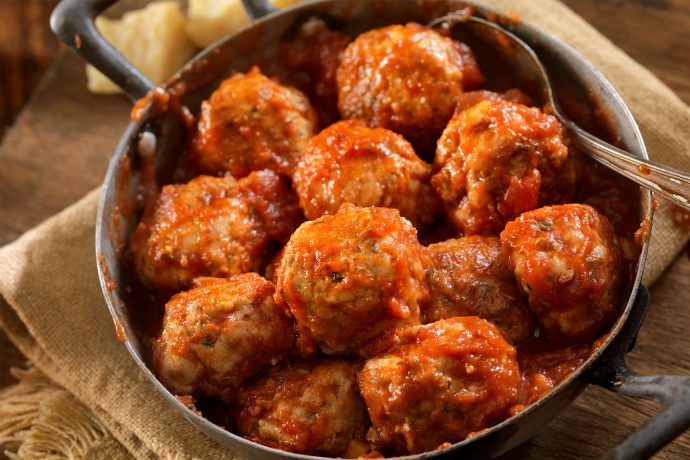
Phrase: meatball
(404, 78)
(310, 408)
(311, 61)
(443, 382)
(353, 279)
(473, 98)
(470, 276)
(220, 333)
(566, 260)
(250, 123)
(212, 227)
(498, 159)
(349, 162)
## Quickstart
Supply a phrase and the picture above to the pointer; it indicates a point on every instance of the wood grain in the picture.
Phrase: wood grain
(59, 147)
(655, 33)
(27, 47)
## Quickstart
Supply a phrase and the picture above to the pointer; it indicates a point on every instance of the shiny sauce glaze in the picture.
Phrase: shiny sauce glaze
(529, 370)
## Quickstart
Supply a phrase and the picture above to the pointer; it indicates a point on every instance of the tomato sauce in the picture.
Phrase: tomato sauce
(542, 365)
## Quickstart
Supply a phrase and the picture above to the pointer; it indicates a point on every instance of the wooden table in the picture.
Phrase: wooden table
(41, 172)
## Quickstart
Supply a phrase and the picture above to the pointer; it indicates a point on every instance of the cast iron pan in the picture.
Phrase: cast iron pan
(162, 133)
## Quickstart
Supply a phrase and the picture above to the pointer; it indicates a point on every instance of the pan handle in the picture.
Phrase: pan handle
(671, 391)
(73, 21)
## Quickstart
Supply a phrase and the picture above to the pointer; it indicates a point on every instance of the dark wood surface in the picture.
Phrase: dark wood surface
(60, 144)
(27, 47)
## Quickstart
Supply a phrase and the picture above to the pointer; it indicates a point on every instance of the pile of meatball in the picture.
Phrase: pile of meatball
(299, 292)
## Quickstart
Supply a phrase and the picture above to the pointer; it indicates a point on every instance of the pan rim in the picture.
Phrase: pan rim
(134, 127)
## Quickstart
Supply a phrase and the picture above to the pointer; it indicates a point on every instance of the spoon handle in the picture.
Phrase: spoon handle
(668, 182)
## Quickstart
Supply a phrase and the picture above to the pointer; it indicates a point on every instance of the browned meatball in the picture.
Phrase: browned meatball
(566, 261)
(470, 276)
(404, 78)
(472, 98)
(498, 159)
(311, 61)
(352, 279)
(444, 381)
(212, 227)
(349, 162)
(250, 123)
(311, 407)
(220, 333)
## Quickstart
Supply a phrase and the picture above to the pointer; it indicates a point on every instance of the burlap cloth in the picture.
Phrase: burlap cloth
(86, 398)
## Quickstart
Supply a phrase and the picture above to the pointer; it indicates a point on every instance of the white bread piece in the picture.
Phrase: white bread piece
(211, 20)
(152, 38)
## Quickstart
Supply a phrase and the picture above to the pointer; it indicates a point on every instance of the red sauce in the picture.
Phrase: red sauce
(542, 371)
(164, 99)
(311, 62)
(644, 170)
(123, 208)
(120, 331)
(159, 97)
(642, 235)
(543, 366)
(509, 18)
(505, 18)
(109, 282)
(178, 108)
(188, 402)
(461, 15)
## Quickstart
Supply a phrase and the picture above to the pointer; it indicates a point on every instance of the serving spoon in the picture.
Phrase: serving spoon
(668, 182)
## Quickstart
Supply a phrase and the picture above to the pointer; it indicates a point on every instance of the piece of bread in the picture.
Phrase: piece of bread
(211, 20)
(153, 39)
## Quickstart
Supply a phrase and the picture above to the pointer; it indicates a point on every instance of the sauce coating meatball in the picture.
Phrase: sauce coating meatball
(312, 60)
(349, 162)
(212, 226)
(470, 276)
(566, 260)
(312, 408)
(406, 79)
(443, 382)
(472, 98)
(220, 333)
(498, 159)
(352, 279)
(250, 123)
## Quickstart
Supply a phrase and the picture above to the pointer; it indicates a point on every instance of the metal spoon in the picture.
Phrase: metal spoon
(668, 182)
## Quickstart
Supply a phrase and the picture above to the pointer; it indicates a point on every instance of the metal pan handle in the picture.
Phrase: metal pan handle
(73, 21)
(672, 392)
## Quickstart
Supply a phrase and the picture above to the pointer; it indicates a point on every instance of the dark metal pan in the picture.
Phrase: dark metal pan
(161, 133)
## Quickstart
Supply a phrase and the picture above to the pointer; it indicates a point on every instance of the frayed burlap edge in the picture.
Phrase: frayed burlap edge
(41, 420)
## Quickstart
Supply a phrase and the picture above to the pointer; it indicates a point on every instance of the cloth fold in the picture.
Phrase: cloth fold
(52, 312)
(51, 306)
